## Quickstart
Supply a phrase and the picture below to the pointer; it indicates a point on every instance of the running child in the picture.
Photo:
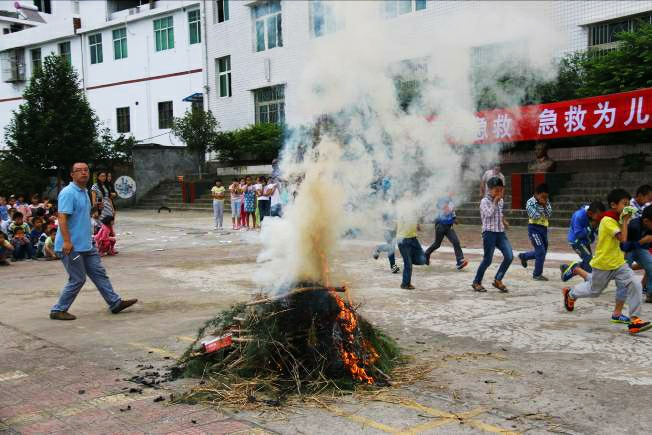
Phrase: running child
(444, 228)
(409, 247)
(637, 248)
(581, 234)
(390, 243)
(609, 264)
(539, 211)
(494, 225)
(642, 199)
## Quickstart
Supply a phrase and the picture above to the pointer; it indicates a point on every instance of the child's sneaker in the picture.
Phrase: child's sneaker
(395, 269)
(620, 319)
(637, 325)
(540, 278)
(569, 302)
(462, 265)
(523, 260)
(568, 270)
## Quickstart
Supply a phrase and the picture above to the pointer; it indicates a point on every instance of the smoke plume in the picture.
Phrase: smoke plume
(385, 106)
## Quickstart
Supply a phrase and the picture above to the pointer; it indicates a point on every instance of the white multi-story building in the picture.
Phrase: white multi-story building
(256, 50)
(139, 61)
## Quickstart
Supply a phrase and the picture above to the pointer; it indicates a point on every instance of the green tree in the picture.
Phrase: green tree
(582, 74)
(198, 129)
(623, 69)
(55, 126)
(16, 178)
(260, 143)
(570, 78)
(114, 150)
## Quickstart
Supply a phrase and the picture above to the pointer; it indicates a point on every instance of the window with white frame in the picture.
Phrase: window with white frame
(270, 104)
(325, 17)
(164, 33)
(95, 45)
(224, 76)
(165, 114)
(124, 120)
(120, 43)
(37, 62)
(221, 11)
(392, 8)
(194, 26)
(268, 25)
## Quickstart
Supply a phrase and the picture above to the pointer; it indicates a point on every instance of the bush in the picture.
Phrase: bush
(259, 143)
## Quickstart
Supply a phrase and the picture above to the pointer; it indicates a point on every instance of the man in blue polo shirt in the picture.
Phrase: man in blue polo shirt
(78, 255)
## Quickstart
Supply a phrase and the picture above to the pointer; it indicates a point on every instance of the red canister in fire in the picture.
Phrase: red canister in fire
(216, 343)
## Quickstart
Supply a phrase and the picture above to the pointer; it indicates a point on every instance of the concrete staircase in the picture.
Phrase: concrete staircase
(168, 194)
(580, 189)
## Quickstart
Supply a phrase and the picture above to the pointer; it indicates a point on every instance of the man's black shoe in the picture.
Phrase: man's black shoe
(124, 305)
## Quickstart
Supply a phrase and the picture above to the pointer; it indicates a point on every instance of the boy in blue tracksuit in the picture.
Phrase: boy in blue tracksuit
(581, 234)
(539, 211)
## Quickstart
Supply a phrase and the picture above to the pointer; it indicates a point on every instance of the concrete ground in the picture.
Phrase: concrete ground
(498, 363)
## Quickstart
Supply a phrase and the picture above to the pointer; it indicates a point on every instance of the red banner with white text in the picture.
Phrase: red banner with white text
(594, 115)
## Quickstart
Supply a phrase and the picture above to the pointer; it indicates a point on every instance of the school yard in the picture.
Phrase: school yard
(495, 363)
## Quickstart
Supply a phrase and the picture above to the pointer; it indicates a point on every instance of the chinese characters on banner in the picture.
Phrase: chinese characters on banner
(594, 115)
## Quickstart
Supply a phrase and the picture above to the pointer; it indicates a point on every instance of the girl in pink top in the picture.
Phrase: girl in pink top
(105, 237)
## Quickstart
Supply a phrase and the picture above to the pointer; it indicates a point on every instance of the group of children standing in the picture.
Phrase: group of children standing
(250, 202)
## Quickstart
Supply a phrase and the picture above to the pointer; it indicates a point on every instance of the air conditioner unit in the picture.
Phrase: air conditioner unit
(133, 11)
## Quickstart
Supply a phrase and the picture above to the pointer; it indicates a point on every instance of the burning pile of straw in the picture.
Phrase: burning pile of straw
(305, 342)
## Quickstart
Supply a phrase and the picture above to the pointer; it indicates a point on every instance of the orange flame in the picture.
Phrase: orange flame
(348, 324)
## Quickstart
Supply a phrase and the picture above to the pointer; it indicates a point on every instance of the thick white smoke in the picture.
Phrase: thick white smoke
(357, 128)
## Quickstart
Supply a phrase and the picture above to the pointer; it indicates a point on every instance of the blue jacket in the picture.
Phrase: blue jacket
(580, 229)
(442, 217)
(635, 232)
